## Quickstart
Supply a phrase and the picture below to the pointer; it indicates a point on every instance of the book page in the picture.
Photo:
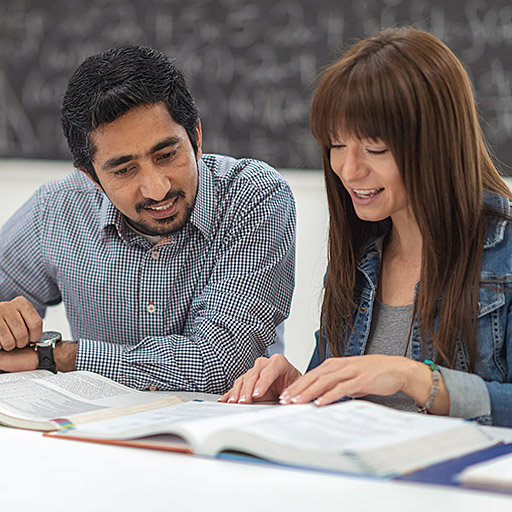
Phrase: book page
(66, 395)
(27, 399)
(192, 420)
(11, 377)
(352, 426)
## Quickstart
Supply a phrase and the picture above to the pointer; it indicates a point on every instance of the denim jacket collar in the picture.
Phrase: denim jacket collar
(496, 230)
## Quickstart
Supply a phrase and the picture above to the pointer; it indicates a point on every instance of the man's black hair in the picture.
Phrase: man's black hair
(108, 85)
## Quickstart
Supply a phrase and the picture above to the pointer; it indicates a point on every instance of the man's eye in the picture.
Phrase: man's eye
(377, 151)
(166, 156)
(121, 172)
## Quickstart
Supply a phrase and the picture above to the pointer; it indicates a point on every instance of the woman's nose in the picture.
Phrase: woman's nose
(350, 166)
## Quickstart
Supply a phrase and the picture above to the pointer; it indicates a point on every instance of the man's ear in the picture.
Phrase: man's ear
(96, 182)
(199, 140)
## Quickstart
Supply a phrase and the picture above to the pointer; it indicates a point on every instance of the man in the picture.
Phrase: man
(174, 267)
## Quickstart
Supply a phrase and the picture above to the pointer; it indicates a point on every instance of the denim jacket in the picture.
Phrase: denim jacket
(491, 383)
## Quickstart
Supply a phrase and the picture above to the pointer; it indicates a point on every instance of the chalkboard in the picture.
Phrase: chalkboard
(250, 64)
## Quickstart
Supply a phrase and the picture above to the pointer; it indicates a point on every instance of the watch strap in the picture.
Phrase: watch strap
(46, 359)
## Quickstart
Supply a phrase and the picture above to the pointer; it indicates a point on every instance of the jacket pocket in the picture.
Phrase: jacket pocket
(492, 321)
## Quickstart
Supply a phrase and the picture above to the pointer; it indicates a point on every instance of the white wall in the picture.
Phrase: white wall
(311, 261)
(20, 178)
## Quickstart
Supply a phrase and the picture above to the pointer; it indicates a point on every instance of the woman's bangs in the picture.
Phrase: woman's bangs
(352, 105)
(364, 112)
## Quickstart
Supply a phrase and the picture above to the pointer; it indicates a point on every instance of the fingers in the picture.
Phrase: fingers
(244, 387)
(334, 379)
(234, 394)
(273, 378)
(339, 391)
(263, 382)
(353, 377)
(19, 324)
(315, 382)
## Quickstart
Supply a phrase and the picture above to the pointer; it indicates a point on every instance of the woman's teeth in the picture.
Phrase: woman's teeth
(365, 194)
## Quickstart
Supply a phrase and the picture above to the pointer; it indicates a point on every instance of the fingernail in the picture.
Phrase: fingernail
(231, 400)
(295, 399)
(284, 396)
(243, 398)
(256, 392)
(317, 402)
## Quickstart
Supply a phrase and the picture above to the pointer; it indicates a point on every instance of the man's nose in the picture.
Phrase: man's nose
(154, 184)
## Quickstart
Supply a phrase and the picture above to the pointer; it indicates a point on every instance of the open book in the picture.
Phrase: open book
(40, 400)
(353, 436)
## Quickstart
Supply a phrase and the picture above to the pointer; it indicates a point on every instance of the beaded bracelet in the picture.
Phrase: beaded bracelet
(434, 389)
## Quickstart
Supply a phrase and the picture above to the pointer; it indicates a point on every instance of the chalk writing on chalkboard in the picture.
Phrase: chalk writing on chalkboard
(250, 64)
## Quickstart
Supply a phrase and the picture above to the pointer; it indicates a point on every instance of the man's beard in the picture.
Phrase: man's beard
(165, 229)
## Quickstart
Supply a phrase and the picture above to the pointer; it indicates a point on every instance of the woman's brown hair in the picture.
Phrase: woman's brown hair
(405, 87)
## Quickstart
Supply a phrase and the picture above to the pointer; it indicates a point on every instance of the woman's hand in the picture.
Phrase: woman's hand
(263, 382)
(358, 376)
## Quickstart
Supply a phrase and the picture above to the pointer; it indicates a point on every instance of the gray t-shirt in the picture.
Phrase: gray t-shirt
(389, 333)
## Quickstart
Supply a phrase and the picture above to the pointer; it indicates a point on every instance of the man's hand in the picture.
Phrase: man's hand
(20, 324)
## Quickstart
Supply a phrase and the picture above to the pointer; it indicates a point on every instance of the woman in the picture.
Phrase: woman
(420, 242)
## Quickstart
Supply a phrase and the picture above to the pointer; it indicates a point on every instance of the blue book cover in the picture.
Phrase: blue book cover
(446, 473)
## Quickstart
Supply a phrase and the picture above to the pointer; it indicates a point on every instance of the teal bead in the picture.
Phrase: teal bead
(433, 366)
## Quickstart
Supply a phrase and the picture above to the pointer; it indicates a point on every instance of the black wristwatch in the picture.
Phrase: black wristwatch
(44, 348)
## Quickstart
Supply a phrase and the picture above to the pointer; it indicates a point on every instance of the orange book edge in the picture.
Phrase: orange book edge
(133, 443)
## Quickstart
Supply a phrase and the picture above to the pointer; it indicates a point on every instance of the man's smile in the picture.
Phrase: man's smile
(167, 209)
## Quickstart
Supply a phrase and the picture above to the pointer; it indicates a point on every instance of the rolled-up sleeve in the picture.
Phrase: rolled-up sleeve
(469, 397)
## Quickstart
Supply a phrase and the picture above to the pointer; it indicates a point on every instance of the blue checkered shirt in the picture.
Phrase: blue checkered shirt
(192, 312)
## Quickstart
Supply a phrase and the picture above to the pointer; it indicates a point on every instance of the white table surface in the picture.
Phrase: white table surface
(49, 474)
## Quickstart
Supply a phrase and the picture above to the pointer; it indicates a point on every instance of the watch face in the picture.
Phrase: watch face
(49, 338)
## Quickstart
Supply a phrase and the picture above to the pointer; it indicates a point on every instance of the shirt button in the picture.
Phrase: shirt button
(154, 254)
(151, 307)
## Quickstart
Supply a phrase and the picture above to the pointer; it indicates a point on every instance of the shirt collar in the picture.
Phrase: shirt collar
(203, 213)
(369, 263)
(111, 218)
(202, 216)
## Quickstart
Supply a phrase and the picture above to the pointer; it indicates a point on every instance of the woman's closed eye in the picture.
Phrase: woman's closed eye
(377, 151)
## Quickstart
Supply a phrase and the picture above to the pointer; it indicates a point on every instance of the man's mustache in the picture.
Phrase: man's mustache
(148, 203)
